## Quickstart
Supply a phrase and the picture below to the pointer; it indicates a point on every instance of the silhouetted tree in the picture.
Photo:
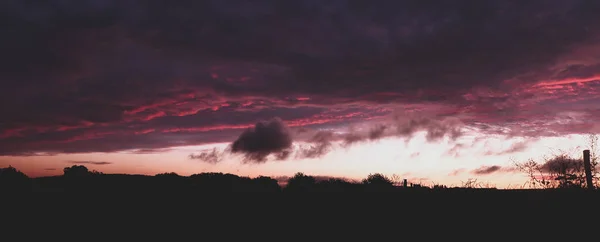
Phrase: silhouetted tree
(79, 178)
(335, 185)
(396, 180)
(265, 184)
(219, 182)
(378, 182)
(301, 182)
(76, 171)
(378, 179)
(167, 174)
(567, 171)
(559, 171)
(171, 181)
(11, 174)
(13, 179)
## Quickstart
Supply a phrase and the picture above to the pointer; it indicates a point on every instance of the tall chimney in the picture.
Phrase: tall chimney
(587, 165)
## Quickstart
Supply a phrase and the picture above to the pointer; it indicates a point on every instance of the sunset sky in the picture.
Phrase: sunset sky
(433, 91)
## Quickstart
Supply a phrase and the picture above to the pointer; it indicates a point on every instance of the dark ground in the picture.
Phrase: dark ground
(306, 208)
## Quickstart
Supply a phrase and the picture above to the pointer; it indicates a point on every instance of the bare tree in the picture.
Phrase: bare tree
(470, 183)
(557, 171)
(397, 180)
(436, 185)
(473, 183)
(561, 169)
(567, 172)
(486, 185)
(534, 173)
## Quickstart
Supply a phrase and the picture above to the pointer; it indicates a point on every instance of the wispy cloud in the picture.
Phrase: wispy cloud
(90, 162)
(487, 170)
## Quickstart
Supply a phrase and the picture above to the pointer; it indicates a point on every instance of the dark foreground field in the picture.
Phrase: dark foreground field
(235, 208)
(375, 186)
(214, 190)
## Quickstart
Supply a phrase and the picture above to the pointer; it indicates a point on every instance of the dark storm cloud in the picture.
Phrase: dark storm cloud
(374, 133)
(435, 128)
(89, 66)
(112, 142)
(321, 141)
(264, 139)
(377, 132)
(319, 145)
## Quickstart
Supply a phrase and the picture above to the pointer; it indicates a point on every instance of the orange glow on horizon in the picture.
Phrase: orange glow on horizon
(416, 160)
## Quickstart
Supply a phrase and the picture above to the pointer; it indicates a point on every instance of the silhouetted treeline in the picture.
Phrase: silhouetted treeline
(79, 178)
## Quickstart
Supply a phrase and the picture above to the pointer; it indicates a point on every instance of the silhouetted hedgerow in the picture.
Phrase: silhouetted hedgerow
(78, 178)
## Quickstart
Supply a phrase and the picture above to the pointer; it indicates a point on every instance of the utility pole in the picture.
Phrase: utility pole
(587, 165)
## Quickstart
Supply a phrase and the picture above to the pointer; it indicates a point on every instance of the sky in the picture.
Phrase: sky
(437, 92)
